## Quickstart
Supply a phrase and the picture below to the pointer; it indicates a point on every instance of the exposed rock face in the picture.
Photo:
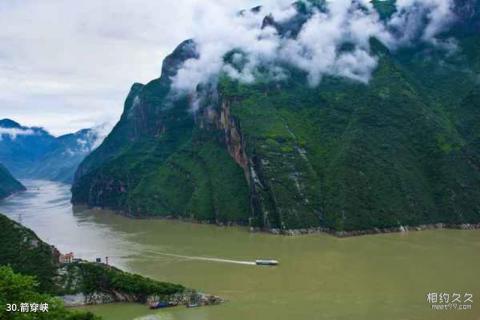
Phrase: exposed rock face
(402, 150)
(189, 297)
(186, 298)
(233, 137)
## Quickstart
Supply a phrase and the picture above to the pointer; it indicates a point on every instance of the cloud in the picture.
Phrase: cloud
(68, 65)
(98, 134)
(408, 22)
(319, 49)
(12, 133)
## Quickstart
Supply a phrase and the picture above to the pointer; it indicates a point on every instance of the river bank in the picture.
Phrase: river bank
(88, 283)
(386, 276)
(78, 282)
(301, 231)
(355, 233)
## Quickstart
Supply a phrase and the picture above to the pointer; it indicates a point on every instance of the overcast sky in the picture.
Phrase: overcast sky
(67, 65)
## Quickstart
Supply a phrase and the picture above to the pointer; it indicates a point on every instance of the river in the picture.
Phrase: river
(319, 276)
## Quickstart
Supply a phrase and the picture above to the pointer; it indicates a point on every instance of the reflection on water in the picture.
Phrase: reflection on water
(319, 277)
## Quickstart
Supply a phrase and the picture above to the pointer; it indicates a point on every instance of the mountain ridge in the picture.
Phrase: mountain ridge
(33, 153)
(344, 155)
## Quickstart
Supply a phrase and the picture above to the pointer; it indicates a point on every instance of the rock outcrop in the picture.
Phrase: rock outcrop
(280, 154)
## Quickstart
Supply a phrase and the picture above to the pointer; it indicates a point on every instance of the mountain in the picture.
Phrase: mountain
(60, 163)
(33, 153)
(20, 146)
(41, 260)
(37, 258)
(402, 148)
(8, 184)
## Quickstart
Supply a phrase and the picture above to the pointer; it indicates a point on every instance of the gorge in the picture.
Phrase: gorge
(370, 277)
(400, 149)
(308, 160)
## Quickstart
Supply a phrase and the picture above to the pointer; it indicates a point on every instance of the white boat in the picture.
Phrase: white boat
(263, 262)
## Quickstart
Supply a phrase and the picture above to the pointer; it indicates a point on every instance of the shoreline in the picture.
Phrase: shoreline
(301, 231)
(374, 231)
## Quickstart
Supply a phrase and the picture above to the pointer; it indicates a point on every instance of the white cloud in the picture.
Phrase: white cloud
(318, 47)
(68, 65)
(98, 134)
(12, 133)
(408, 20)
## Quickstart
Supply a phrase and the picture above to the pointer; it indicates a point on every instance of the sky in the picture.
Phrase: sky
(67, 65)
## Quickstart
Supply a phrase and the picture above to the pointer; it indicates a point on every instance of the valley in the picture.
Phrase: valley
(318, 276)
(292, 160)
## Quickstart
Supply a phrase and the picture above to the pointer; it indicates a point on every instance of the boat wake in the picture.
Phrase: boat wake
(250, 263)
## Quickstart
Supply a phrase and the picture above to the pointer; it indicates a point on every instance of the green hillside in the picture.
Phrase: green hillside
(16, 288)
(8, 184)
(400, 150)
(29, 268)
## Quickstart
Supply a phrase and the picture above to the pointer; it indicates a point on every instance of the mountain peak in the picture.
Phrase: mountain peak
(8, 123)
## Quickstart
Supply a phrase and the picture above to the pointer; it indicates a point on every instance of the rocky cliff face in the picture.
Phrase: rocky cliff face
(178, 173)
(400, 150)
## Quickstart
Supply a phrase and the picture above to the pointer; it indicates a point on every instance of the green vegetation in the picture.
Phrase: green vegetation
(349, 156)
(16, 289)
(91, 278)
(163, 165)
(30, 272)
(22, 250)
(385, 8)
(401, 150)
(8, 184)
(189, 184)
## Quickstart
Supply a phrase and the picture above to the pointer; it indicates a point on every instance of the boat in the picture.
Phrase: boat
(193, 305)
(266, 262)
(162, 304)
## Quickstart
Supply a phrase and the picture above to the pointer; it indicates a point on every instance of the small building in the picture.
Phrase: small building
(66, 258)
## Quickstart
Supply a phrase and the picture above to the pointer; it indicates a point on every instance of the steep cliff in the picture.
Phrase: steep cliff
(402, 149)
(158, 160)
(8, 184)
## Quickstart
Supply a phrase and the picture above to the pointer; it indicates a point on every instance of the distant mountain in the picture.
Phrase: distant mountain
(60, 163)
(8, 184)
(21, 147)
(274, 151)
(33, 153)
